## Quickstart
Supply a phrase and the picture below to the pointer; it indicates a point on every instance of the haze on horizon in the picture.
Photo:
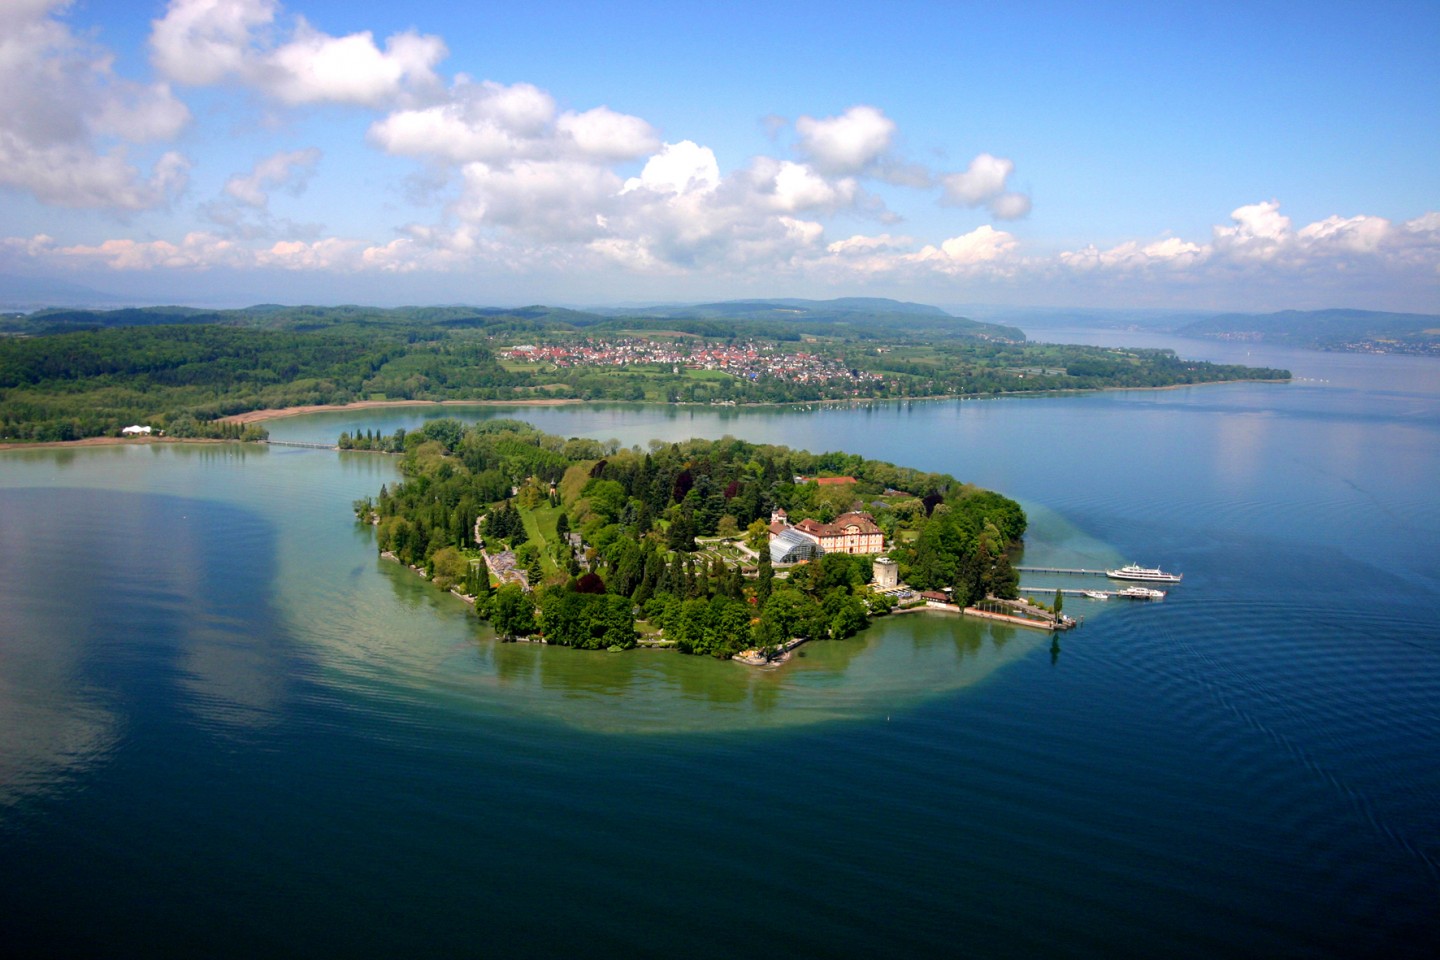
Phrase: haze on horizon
(1256, 156)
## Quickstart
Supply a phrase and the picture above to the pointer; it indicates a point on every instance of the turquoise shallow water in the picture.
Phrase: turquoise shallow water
(227, 728)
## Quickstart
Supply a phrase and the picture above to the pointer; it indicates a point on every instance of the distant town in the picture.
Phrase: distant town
(747, 360)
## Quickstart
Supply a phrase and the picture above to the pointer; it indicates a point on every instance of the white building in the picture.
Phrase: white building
(135, 431)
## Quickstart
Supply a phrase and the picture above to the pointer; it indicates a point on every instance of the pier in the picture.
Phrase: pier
(1070, 591)
(1071, 570)
(1065, 591)
(1050, 626)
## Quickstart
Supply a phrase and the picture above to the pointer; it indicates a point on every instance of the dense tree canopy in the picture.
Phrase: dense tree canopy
(639, 512)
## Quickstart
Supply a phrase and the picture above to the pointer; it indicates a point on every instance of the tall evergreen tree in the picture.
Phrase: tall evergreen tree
(765, 584)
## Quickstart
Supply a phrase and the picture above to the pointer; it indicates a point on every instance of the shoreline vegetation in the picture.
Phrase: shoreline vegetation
(575, 543)
(261, 416)
(68, 375)
(253, 417)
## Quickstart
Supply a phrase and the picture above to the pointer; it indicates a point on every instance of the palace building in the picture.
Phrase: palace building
(853, 533)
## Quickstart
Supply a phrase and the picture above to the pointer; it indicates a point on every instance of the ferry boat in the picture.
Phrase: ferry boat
(1133, 571)
(1141, 593)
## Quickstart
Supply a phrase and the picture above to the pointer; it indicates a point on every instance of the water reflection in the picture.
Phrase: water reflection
(899, 661)
(167, 611)
(52, 726)
(275, 536)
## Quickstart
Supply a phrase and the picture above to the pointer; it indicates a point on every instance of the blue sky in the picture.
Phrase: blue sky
(1195, 156)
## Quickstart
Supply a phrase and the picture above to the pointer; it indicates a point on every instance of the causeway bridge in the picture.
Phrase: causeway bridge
(301, 443)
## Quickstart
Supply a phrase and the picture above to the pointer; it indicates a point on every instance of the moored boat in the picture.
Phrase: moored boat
(1096, 594)
(1141, 593)
(1133, 571)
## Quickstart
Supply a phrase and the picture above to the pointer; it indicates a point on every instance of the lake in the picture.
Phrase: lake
(227, 728)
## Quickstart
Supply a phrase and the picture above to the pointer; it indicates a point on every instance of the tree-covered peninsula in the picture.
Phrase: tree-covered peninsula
(65, 375)
(595, 546)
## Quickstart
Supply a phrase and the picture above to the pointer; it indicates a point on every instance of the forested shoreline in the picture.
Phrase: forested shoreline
(598, 546)
(76, 374)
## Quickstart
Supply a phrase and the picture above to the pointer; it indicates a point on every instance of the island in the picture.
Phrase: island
(72, 374)
(718, 547)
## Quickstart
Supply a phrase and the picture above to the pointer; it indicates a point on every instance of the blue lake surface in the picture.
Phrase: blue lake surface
(227, 728)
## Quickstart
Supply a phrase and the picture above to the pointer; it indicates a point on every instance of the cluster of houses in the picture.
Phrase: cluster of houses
(748, 360)
(502, 564)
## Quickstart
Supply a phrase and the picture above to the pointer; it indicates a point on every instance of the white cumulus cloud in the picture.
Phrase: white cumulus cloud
(1171, 252)
(1350, 234)
(204, 42)
(1259, 232)
(982, 246)
(605, 134)
(552, 200)
(67, 121)
(860, 244)
(846, 144)
(1261, 249)
(797, 186)
(984, 184)
(495, 123)
(287, 169)
(678, 168)
(196, 250)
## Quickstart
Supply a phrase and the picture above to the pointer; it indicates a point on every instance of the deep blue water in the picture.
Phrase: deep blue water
(227, 729)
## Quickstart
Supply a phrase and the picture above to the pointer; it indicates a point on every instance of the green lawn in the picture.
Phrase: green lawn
(540, 526)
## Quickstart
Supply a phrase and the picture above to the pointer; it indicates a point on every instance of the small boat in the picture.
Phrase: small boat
(1133, 571)
(1096, 594)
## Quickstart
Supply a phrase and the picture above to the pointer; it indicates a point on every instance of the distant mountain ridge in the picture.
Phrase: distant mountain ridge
(1359, 331)
(786, 307)
(855, 316)
(861, 318)
(30, 293)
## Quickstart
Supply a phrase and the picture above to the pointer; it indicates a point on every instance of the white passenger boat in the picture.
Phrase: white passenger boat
(1133, 571)
(1141, 593)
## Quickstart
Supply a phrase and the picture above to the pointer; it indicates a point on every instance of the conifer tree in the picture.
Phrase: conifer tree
(764, 586)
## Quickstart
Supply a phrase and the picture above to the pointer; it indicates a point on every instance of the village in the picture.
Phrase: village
(747, 360)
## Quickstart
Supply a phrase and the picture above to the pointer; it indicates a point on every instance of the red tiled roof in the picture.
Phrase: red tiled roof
(863, 521)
